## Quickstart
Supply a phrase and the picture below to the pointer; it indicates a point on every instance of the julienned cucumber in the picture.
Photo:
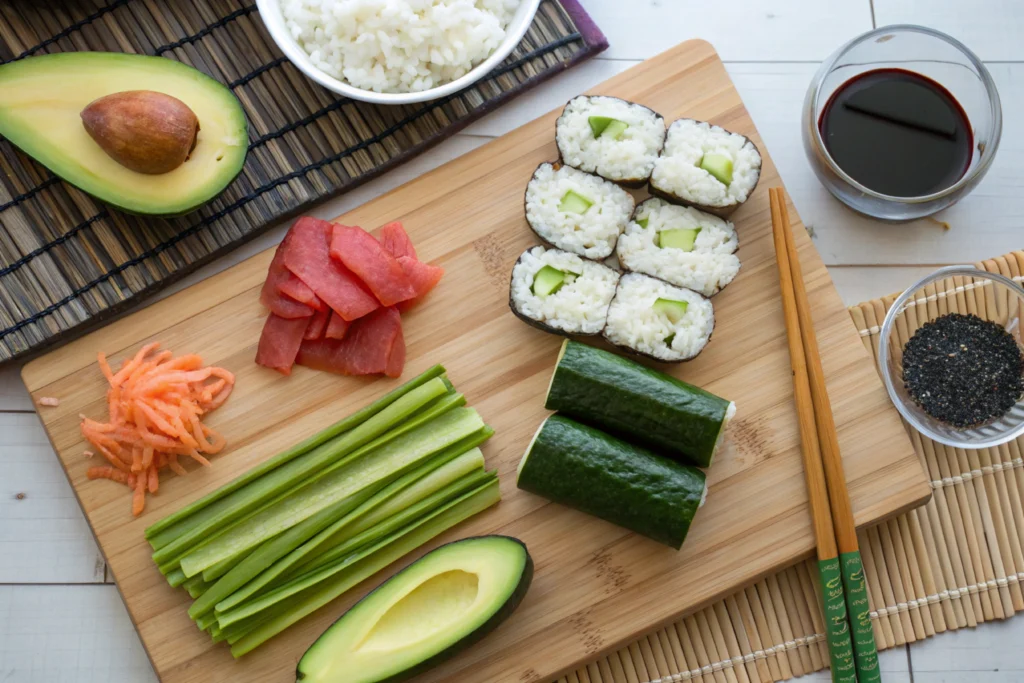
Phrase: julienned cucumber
(586, 469)
(394, 457)
(312, 442)
(642, 405)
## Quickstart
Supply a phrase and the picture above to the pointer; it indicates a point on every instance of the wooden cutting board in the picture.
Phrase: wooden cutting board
(596, 586)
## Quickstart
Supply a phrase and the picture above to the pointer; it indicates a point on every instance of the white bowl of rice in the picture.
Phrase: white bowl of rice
(397, 51)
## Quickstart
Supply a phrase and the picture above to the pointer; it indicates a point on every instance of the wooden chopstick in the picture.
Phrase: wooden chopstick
(851, 565)
(836, 625)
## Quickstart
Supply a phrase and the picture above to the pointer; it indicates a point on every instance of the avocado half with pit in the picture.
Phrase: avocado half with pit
(444, 602)
(41, 101)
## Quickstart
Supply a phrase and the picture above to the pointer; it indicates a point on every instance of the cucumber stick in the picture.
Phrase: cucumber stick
(275, 548)
(357, 546)
(320, 594)
(641, 405)
(586, 469)
(199, 528)
(350, 422)
(438, 472)
(407, 516)
(394, 457)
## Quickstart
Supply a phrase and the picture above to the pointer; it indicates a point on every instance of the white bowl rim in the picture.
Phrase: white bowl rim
(272, 19)
(883, 354)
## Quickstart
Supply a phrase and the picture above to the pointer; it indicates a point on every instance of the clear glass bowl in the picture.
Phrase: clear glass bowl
(930, 53)
(990, 296)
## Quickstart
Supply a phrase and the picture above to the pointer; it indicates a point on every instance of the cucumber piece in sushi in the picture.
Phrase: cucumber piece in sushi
(705, 166)
(680, 245)
(638, 323)
(576, 211)
(613, 138)
(559, 292)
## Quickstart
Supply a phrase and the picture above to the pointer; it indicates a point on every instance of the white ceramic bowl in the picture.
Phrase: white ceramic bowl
(270, 12)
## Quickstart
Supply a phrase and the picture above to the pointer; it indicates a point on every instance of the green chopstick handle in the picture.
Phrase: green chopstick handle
(864, 649)
(837, 628)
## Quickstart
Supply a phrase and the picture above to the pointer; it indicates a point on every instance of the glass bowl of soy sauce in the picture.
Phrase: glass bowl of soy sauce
(951, 357)
(901, 122)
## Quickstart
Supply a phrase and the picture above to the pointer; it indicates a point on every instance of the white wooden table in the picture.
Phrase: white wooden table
(60, 616)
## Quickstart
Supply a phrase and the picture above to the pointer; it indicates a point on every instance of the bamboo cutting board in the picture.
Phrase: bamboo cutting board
(596, 586)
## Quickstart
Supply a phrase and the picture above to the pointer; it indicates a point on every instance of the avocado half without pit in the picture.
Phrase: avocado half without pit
(437, 606)
(121, 126)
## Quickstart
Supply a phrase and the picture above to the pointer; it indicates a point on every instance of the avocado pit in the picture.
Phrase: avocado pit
(144, 131)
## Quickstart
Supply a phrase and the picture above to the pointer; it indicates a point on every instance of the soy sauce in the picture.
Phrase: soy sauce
(897, 133)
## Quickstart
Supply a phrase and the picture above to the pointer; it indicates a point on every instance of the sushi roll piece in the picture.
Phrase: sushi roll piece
(559, 292)
(577, 211)
(652, 318)
(681, 245)
(705, 166)
(616, 139)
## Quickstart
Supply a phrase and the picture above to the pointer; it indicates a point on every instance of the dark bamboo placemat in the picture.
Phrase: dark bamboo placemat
(68, 262)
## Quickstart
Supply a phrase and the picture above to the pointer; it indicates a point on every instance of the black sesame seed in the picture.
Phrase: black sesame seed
(963, 370)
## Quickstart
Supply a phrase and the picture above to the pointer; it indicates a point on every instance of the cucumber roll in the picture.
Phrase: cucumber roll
(586, 469)
(560, 292)
(681, 245)
(576, 211)
(705, 166)
(639, 404)
(652, 318)
(616, 139)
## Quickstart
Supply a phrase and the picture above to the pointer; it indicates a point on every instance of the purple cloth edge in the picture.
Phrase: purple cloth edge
(592, 35)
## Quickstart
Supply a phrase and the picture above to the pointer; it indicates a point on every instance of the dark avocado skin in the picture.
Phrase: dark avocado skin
(501, 615)
(642, 405)
(721, 211)
(588, 470)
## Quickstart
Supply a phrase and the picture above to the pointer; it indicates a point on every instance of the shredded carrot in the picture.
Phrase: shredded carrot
(155, 405)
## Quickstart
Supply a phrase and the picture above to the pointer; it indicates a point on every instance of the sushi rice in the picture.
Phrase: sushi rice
(635, 324)
(678, 177)
(710, 266)
(627, 159)
(580, 306)
(592, 233)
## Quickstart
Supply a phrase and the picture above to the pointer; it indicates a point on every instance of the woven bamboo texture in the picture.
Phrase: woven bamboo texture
(956, 562)
(68, 262)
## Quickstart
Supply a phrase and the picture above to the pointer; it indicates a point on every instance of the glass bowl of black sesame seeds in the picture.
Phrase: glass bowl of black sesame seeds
(952, 359)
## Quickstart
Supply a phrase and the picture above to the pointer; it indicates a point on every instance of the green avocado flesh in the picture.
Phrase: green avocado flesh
(682, 238)
(643, 222)
(574, 203)
(607, 127)
(673, 310)
(547, 281)
(445, 601)
(719, 166)
(41, 99)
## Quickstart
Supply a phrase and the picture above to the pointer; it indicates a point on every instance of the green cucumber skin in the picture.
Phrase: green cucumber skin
(625, 398)
(586, 469)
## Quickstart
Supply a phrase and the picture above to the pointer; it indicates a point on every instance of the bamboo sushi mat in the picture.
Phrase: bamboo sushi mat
(68, 262)
(956, 562)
